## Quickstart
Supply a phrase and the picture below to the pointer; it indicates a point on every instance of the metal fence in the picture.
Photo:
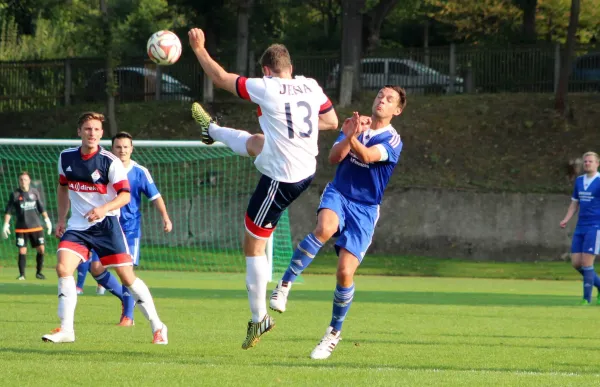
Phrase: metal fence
(443, 70)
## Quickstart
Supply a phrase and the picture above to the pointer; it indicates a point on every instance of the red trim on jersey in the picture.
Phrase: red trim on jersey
(240, 88)
(75, 247)
(327, 106)
(89, 156)
(122, 185)
(257, 230)
(84, 186)
(62, 180)
(116, 259)
(259, 111)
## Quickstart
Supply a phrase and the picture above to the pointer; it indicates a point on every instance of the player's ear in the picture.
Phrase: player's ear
(266, 71)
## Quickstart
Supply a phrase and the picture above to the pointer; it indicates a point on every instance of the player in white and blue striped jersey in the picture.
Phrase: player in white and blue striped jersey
(141, 184)
(586, 238)
(367, 151)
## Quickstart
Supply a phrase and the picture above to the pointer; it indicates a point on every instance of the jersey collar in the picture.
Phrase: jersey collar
(587, 181)
(131, 165)
(87, 157)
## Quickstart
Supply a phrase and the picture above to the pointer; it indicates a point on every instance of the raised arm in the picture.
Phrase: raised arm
(217, 74)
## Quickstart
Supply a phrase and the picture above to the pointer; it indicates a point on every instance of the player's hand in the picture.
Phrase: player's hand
(196, 36)
(351, 126)
(61, 227)
(168, 226)
(563, 223)
(365, 123)
(5, 231)
(96, 214)
(48, 225)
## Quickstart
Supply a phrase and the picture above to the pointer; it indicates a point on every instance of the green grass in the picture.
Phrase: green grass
(400, 331)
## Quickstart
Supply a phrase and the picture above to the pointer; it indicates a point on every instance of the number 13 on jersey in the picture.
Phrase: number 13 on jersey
(305, 112)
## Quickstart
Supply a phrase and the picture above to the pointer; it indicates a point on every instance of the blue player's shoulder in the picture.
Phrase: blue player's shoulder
(142, 170)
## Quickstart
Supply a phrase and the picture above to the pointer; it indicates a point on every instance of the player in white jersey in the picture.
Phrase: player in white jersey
(349, 208)
(291, 112)
(94, 182)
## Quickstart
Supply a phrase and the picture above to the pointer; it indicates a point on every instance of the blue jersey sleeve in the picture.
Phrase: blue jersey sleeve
(575, 195)
(393, 146)
(340, 137)
(148, 187)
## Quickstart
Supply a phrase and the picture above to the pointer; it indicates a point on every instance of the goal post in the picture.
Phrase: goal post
(206, 190)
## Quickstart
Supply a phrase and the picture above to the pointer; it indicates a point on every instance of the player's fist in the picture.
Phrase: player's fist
(563, 223)
(168, 226)
(351, 126)
(48, 225)
(61, 227)
(5, 230)
(196, 36)
(95, 214)
(365, 123)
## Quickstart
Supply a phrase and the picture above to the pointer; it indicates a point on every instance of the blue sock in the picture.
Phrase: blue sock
(596, 279)
(303, 255)
(128, 303)
(110, 283)
(588, 282)
(342, 299)
(82, 271)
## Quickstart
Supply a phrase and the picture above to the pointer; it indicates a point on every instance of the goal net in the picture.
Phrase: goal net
(206, 190)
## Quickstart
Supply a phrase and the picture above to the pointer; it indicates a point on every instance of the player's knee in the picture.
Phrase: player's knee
(345, 276)
(126, 275)
(62, 270)
(96, 268)
(324, 232)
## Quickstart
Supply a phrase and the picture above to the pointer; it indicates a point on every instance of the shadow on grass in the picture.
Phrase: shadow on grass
(385, 297)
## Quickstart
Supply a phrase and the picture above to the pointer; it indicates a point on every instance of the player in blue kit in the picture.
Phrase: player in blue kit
(140, 183)
(586, 239)
(367, 151)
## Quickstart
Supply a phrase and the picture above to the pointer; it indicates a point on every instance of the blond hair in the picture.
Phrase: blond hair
(84, 117)
(586, 154)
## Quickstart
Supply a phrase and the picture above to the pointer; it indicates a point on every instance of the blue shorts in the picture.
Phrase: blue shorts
(357, 222)
(269, 200)
(133, 242)
(106, 238)
(586, 240)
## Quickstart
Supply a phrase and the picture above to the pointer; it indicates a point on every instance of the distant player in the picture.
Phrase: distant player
(291, 111)
(94, 182)
(586, 239)
(349, 208)
(26, 203)
(140, 183)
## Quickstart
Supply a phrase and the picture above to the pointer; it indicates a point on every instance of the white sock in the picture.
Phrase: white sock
(67, 300)
(257, 278)
(143, 298)
(233, 138)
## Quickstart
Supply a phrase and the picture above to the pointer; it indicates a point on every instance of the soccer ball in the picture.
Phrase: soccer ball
(164, 48)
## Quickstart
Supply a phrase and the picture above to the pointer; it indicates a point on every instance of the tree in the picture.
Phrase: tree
(351, 38)
(529, 8)
(244, 10)
(109, 65)
(560, 101)
(372, 21)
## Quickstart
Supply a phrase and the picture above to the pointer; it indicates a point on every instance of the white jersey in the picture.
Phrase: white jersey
(93, 180)
(288, 113)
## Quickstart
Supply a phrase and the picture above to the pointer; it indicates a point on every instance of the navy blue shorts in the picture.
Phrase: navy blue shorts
(106, 238)
(269, 200)
(133, 242)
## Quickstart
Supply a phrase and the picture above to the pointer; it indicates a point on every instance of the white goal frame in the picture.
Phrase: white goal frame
(140, 144)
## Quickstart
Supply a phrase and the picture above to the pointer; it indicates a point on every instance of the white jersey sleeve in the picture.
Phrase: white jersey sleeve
(117, 176)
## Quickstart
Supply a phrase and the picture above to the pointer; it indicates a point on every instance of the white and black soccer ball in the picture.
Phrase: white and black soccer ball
(164, 48)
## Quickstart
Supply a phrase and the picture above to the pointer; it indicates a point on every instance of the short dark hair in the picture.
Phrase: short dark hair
(25, 173)
(84, 117)
(122, 135)
(401, 93)
(276, 57)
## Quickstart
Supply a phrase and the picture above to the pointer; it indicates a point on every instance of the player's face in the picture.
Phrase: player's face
(590, 164)
(385, 105)
(91, 133)
(24, 182)
(122, 148)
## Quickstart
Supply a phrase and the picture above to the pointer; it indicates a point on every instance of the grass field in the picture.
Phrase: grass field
(419, 331)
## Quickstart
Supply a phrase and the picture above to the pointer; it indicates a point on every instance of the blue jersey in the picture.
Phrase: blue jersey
(365, 183)
(587, 193)
(140, 182)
